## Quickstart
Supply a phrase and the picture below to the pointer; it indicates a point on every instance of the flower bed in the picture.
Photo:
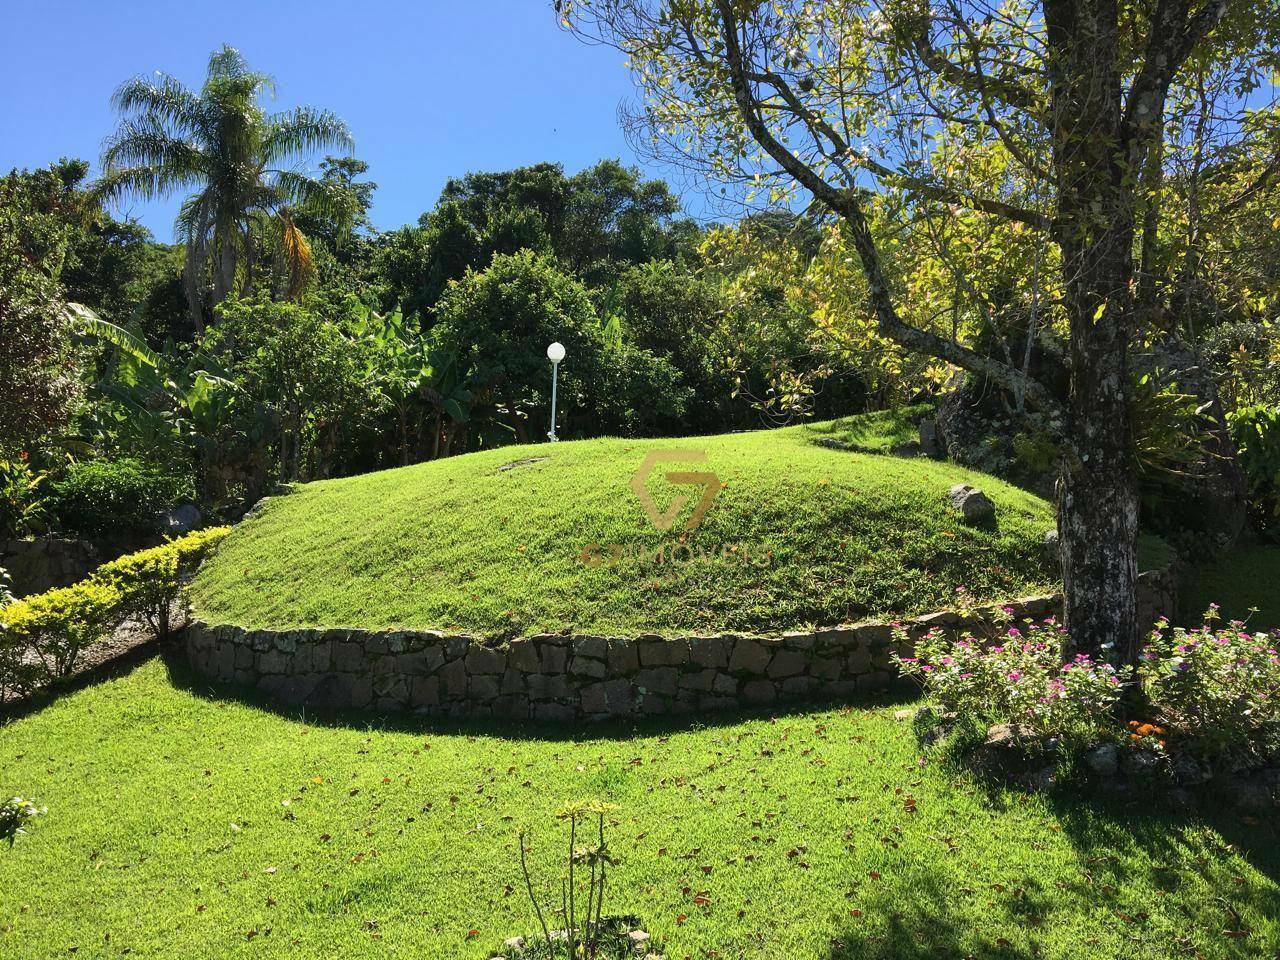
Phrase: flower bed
(1207, 702)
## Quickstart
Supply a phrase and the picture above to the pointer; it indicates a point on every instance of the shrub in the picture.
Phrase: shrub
(148, 585)
(57, 625)
(42, 636)
(1215, 689)
(1021, 679)
(195, 547)
(17, 673)
(1256, 431)
(22, 509)
(110, 497)
(15, 812)
(150, 582)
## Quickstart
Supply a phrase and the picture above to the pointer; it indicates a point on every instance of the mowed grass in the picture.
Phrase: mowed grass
(798, 534)
(193, 827)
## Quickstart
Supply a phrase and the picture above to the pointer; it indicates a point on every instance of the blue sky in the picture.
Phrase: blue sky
(430, 88)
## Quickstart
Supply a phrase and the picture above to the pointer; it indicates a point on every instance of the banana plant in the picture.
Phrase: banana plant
(177, 401)
(420, 380)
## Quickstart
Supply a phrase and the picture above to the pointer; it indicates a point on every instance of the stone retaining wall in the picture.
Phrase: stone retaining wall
(44, 563)
(586, 677)
(560, 676)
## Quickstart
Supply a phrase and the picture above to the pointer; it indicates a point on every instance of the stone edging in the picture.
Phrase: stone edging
(567, 677)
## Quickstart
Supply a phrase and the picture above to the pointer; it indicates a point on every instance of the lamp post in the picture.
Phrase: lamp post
(555, 353)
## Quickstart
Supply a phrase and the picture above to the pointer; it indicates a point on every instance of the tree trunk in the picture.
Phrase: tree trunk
(191, 271)
(1098, 502)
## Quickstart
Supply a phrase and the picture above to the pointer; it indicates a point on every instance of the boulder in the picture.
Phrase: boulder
(1140, 763)
(181, 519)
(929, 444)
(1187, 772)
(970, 503)
(1053, 547)
(1103, 760)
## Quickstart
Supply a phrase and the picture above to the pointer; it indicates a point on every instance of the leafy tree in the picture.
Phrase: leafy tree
(613, 215)
(637, 393)
(670, 311)
(500, 321)
(299, 361)
(415, 264)
(596, 222)
(345, 215)
(426, 393)
(238, 158)
(841, 98)
(39, 366)
(782, 336)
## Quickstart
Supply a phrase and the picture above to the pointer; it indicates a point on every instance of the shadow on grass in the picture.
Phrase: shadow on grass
(926, 927)
(184, 678)
(109, 669)
(875, 432)
(1159, 873)
(1198, 835)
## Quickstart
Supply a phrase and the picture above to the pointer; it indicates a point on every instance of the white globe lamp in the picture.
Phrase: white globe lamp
(555, 353)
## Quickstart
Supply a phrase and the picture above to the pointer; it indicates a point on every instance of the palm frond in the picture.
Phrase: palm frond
(228, 63)
(297, 255)
(315, 196)
(145, 142)
(162, 97)
(303, 130)
(145, 182)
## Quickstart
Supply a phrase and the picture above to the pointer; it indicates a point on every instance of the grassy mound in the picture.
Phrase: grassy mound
(539, 538)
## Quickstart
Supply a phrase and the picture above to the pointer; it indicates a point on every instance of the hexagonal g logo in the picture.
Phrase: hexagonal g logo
(664, 520)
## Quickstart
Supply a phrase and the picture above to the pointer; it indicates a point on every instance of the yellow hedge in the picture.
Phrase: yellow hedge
(45, 633)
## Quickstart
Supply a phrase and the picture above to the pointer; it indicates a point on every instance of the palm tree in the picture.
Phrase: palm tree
(240, 160)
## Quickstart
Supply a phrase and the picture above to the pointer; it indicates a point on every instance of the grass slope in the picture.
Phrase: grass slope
(184, 827)
(462, 544)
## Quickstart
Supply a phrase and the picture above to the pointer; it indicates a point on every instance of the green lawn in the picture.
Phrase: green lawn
(878, 432)
(193, 827)
(829, 535)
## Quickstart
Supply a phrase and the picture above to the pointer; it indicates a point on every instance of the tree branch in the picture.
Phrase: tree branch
(846, 203)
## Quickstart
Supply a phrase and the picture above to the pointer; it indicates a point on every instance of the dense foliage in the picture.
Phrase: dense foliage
(39, 374)
(1027, 677)
(1256, 430)
(114, 498)
(1217, 688)
(1212, 693)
